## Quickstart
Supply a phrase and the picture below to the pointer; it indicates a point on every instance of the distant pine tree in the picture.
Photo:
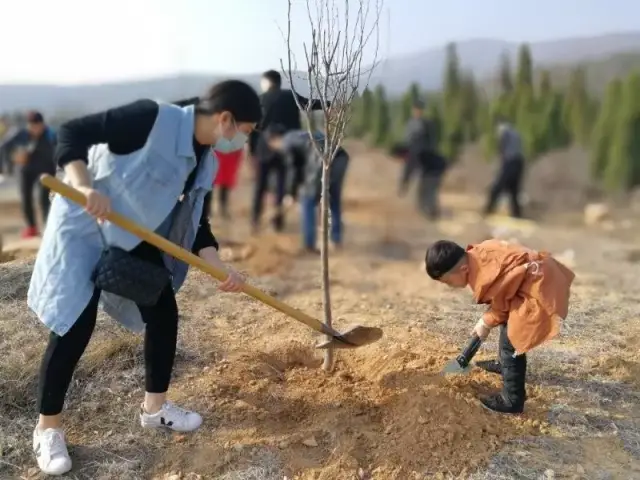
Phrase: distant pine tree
(381, 117)
(604, 129)
(524, 76)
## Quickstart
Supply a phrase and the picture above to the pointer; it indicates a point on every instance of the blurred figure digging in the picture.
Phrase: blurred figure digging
(278, 107)
(422, 158)
(297, 144)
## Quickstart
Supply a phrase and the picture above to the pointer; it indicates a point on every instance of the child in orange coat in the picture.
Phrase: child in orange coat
(528, 295)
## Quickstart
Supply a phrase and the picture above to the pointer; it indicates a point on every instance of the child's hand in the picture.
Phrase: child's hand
(481, 330)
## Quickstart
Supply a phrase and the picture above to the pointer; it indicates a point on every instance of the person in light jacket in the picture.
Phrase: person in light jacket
(153, 163)
(298, 144)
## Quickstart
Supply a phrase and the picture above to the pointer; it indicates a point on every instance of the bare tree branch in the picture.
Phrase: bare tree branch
(338, 34)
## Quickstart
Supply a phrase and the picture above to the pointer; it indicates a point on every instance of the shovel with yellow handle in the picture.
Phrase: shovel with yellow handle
(357, 336)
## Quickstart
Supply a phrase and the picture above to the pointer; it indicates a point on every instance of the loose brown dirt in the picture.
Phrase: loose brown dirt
(385, 413)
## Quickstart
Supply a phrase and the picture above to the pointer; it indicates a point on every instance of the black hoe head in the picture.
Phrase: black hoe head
(355, 337)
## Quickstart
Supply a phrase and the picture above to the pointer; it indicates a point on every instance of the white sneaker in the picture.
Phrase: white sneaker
(171, 416)
(51, 451)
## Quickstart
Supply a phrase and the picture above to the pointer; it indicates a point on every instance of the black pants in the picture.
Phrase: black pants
(428, 195)
(430, 167)
(509, 181)
(28, 181)
(273, 165)
(223, 198)
(297, 173)
(514, 370)
(64, 352)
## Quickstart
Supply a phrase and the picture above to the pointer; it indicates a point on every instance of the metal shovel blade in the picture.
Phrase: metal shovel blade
(453, 367)
(462, 363)
(354, 337)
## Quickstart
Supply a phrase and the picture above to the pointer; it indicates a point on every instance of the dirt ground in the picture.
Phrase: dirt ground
(385, 413)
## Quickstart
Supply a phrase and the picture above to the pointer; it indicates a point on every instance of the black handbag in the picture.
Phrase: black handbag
(123, 274)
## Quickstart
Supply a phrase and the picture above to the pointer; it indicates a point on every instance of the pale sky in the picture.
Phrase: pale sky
(89, 41)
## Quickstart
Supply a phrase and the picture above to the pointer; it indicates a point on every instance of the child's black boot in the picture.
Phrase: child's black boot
(514, 370)
(497, 403)
(491, 366)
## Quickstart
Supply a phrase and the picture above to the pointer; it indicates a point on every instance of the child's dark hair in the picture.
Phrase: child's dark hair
(233, 96)
(274, 77)
(441, 257)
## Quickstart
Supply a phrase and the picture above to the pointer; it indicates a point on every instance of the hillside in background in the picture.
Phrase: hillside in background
(605, 56)
(599, 72)
(482, 57)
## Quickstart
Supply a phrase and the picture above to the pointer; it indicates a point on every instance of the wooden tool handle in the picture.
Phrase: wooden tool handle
(180, 253)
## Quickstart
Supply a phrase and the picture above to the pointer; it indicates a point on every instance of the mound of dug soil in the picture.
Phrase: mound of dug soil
(265, 255)
(387, 412)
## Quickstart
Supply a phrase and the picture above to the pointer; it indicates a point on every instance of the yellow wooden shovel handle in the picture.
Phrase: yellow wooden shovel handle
(180, 253)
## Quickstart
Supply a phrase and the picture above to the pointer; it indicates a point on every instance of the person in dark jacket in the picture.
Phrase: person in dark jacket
(278, 107)
(32, 149)
(509, 178)
(298, 144)
(422, 158)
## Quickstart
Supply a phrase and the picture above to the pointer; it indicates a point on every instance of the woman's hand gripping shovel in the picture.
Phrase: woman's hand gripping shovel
(357, 336)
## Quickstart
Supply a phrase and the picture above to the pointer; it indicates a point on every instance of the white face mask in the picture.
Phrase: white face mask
(228, 145)
(265, 85)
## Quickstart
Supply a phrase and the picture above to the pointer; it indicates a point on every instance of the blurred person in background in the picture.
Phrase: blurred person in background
(422, 158)
(297, 143)
(6, 132)
(226, 178)
(14, 134)
(511, 171)
(278, 107)
(31, 149)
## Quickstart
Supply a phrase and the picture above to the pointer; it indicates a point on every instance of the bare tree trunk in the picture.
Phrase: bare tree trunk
(334, 70)
(327, 365)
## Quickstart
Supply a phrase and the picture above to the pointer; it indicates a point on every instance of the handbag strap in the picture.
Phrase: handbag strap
(103, 239)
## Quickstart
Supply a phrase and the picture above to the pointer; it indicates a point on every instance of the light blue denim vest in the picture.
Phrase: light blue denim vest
(145, 186)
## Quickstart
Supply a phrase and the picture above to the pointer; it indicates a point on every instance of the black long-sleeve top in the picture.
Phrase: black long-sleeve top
(279, 107)
(125, 130)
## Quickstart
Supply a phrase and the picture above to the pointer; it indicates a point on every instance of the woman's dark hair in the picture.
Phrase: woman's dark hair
(233, 96)
(441, 257)
(274, 77)
(186, 102)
